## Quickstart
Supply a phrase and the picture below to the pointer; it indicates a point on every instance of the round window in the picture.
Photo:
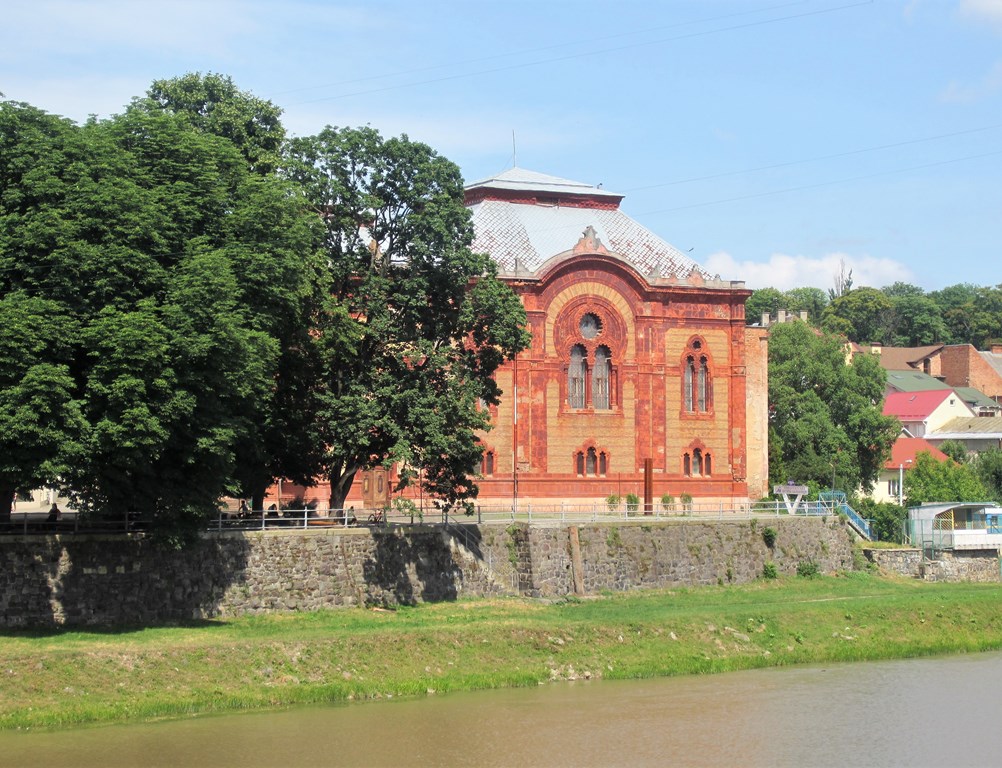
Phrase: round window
(590, 326)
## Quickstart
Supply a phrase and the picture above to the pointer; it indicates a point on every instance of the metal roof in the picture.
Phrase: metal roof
(524, 180)
(914, 381)
(522, 236)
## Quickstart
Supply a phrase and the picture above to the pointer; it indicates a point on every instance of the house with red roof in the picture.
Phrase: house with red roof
(891, 476)
(922, 412)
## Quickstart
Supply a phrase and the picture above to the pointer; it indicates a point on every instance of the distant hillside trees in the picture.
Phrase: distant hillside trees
(901, 314)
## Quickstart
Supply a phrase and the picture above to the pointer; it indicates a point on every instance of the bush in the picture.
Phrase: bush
(612, 501)
(769, 570)
(808, 569)
(686, 500)
(632, 503)
(769, 537)
(667, 502)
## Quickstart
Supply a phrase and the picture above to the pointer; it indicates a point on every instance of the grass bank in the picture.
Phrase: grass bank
(68, 678)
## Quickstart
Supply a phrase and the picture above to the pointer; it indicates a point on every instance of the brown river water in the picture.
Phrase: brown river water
(942, 712)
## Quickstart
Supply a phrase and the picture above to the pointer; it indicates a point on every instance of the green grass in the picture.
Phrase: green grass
(66, 678)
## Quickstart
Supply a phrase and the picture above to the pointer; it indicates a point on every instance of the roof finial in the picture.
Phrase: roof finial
(514, 154)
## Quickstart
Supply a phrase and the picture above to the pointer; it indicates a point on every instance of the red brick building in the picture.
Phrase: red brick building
(637, 353)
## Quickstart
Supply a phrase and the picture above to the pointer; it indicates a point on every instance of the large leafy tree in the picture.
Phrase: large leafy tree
(862, 315)
(930, 480)
(175, 263)
(274, 251)
(215, 105)
(416, 323)
(825, 414)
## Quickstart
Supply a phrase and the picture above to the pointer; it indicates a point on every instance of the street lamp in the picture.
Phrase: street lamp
(901, 482)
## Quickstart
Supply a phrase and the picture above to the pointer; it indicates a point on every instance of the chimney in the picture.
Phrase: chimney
(765, 319)
(875, 349)
(803, 315)
(781, 316)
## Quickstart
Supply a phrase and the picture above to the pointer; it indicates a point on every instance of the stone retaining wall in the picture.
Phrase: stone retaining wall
(108, 581)
(959, 565)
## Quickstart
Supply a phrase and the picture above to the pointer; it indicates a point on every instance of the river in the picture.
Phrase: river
(920, 712)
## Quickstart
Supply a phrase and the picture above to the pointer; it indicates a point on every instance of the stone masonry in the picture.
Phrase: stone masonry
(117, 581)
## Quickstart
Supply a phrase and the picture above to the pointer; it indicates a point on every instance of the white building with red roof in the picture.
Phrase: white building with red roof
(903, 453)
(923, 412)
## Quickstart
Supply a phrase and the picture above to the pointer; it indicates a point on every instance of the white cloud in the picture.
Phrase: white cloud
(784, 272)
(989, 11)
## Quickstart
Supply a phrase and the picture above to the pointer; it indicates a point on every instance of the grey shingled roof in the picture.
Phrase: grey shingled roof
(521, 237)
(994, 360)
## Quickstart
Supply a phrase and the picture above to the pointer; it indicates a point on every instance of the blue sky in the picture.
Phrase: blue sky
(774, 138)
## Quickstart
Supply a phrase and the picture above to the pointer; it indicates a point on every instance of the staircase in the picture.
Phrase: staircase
(838, 503)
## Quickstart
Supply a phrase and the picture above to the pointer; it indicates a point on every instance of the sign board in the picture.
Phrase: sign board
(790, 490)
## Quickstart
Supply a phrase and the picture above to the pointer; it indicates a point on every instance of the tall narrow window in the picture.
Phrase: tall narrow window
(704, 383)
(690, 374)
(686, 465)
(707, 469)
(603, 464)
(488, 463)
(580, 462)
(600, 379)
(592, 462)
(576, 378)
(697, 462)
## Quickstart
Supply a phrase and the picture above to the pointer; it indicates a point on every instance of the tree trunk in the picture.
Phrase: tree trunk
(340, 488)
(257, 498)
(6, 501)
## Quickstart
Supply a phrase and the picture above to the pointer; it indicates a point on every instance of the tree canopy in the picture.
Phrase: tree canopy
(825, 419)
(416, 323)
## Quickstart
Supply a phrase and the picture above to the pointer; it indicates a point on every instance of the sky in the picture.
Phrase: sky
(776, 139)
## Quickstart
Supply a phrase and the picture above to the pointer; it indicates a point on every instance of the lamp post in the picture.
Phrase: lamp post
(901, 482)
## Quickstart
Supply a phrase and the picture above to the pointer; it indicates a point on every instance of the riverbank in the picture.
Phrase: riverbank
(58, 679)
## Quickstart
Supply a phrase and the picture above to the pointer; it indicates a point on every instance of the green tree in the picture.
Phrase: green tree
(955, 449)
(886, 519)
(930, 480)
(899, 290)
(813, 300)
(916, 321)
(416, 323)
(863, 314)
(825, 415)
(177, 263)
(40, 420)
(763, 301)
(972, 314)
(988, 466)
(273, 244)
(215, 105)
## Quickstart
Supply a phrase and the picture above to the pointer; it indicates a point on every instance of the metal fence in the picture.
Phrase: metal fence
(318, 519)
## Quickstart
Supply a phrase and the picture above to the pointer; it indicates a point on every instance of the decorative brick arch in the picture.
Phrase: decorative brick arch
(601, 295)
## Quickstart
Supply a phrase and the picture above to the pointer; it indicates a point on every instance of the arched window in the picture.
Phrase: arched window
(690, 374)
(707, 470)
(580, 462)
(603, 464)
(592, 465)
(600, 379)
(697, 462)
(576, 377)
(697, 379)
(687, 465)
(704, 385)
(488, 463)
